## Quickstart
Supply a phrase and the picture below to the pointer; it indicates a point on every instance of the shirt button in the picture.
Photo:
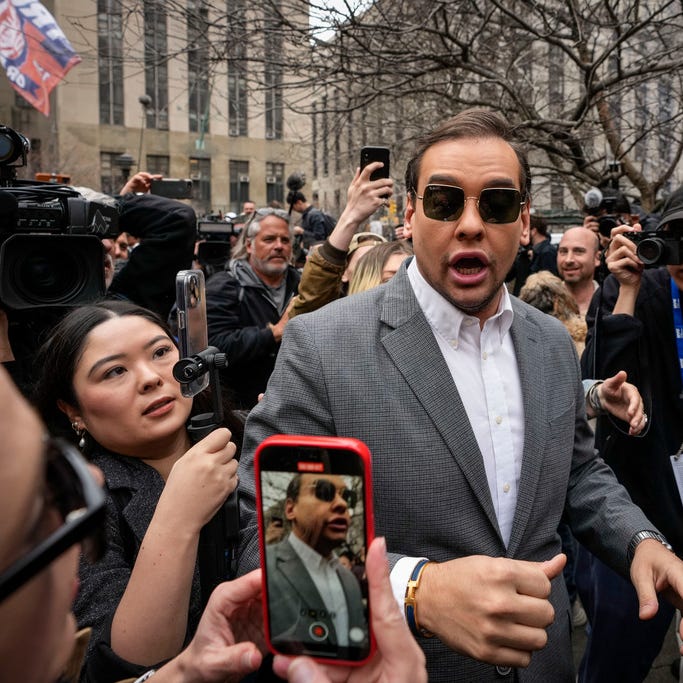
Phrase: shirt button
(506, 488)
(499, 419)
(484, 355)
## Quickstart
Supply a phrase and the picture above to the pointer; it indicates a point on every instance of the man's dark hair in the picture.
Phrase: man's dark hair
(470, 123)
(539, 223)
(295, 196)
(294, 487)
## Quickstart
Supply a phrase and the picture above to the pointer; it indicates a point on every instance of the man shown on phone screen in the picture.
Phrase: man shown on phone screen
(312, 597)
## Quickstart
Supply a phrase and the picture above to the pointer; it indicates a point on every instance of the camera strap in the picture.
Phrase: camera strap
(678, 325)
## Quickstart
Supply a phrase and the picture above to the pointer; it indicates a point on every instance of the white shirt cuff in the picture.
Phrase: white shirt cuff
(400, 575)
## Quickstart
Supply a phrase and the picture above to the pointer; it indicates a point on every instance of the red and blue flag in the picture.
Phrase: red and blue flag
(34, 51)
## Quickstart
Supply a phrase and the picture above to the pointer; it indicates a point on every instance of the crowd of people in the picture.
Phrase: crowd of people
(523, 404)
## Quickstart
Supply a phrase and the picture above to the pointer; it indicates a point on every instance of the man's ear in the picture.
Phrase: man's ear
(409, 213)
(70, 411)
(289, 509)
(526, 224)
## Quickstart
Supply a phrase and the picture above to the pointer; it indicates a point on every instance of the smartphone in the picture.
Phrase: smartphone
(314, 503)
(370, 154)
(193, 335)
(174, 188)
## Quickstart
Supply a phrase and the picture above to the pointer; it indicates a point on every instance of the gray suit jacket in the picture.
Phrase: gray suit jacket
(295, 605)
(368, 366)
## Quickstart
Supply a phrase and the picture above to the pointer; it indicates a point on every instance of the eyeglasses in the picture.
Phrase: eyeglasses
(495, 204)
(81, 502)
(325, 490)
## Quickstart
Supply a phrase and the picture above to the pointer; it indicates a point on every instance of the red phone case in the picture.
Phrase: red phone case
(329, 443)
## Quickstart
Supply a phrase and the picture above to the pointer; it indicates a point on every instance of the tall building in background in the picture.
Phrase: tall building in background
(167, 88)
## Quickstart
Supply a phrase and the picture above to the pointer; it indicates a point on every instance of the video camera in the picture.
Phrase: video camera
(214, 232)
(50, 237)
(596, 203)
(660, 247)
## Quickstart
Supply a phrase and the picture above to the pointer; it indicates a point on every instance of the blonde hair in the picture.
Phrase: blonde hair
(547, 293)
(368, 272)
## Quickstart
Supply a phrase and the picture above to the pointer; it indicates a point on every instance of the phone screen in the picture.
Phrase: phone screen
(191, 316)
(315, 521)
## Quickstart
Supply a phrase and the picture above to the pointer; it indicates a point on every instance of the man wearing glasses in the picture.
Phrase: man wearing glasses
(472, 406)
(246, 305)
(313, 598)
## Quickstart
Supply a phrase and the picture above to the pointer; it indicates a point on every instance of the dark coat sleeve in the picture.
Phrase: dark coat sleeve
(167, 230)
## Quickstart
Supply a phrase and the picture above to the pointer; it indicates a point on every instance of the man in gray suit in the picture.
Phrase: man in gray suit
(312, 598)
(472, 406)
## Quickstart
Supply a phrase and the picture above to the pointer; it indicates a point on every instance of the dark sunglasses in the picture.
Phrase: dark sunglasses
(325, 490)
(495, 204)
(81, 502)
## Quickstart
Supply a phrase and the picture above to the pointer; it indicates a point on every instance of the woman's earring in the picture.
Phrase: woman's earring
(81, 432)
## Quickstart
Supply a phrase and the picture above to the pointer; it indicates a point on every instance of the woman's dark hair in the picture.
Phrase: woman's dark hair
(58, 357)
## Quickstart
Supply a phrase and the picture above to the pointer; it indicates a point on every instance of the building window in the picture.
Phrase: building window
(664, 113)
(326, 139)
(200, 173)
(159, 163)
(556, 193)
(156, 64)
(111, 175)
(273, 73)
(237, 70)
(275, 174)
(337, 136)
(110, 61)
(198, 66)
(239, 184)
(314, 135)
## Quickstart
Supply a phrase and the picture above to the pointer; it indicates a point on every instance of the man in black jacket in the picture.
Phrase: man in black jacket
(635, 325)
(246, 305)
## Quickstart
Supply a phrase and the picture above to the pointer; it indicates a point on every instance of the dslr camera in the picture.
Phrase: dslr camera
(660, 247)
(51, 250)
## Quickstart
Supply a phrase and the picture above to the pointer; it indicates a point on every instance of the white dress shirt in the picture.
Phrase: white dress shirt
(483, 365)
(323, 573)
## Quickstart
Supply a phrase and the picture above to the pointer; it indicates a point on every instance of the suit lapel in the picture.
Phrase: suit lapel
(410, 343)
(529, 353)
(294, 570)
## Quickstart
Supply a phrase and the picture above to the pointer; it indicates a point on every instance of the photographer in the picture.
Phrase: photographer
(634, 325)
(605, 209)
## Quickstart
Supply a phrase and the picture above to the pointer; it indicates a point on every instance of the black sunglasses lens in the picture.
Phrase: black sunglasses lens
(63, 483)
(500, 205)
(325, 490)
(443, 202)
(350, 497)
(67, 496)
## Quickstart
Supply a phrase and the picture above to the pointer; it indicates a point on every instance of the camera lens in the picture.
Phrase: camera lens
(651, 250)
(50, 270)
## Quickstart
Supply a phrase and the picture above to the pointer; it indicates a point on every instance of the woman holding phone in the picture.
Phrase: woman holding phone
(106, 373)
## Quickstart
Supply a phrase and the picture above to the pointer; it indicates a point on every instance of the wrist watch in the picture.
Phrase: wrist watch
(641, 536)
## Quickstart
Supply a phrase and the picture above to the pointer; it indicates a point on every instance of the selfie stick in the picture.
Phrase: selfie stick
(219, 538)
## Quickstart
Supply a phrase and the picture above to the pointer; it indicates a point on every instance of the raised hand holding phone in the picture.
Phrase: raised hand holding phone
(315, 519)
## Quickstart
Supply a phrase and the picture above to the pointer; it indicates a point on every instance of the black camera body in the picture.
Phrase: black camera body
(214, 234)
(51, 250)
(658, 248)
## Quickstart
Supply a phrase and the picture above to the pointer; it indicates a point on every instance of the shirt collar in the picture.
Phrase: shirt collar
(447, 319)
(309, 557)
